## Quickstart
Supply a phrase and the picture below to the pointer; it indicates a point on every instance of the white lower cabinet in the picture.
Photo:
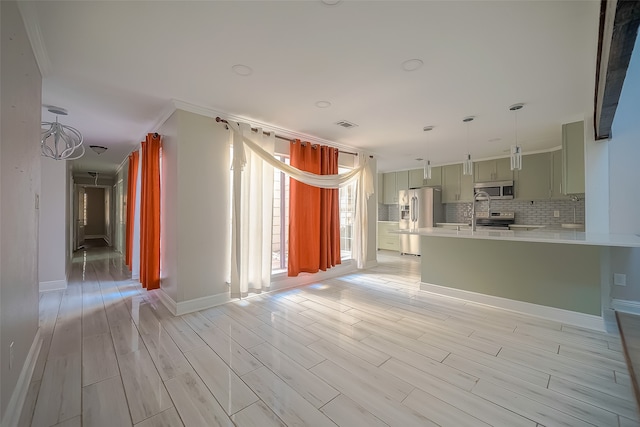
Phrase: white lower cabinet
(386, 239)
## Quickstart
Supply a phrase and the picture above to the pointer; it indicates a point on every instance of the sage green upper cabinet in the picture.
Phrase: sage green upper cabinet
(390, 195)
(456, 187)
(402, 180)
(533, 182)
(416, 178)
(493, 170)
(436, 177)
(380, 188)
(556, 175)
(573, 158)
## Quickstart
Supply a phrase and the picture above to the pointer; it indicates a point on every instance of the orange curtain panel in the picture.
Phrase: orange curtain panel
(132, 178)
(150, 213)
(314, 222)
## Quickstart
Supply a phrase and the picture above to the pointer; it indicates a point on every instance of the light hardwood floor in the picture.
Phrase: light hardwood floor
(365, 349)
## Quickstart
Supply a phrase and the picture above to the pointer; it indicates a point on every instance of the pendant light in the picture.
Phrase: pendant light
(427, 162)
(60, 142)
(516, 151)
(467, 165)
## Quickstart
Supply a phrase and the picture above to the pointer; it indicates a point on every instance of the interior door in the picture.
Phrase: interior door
(80, 217)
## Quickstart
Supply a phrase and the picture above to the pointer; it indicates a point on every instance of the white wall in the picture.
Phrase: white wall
(169, 208)
(20, 112)
(52, 260)
(624, 177)
(195, 207)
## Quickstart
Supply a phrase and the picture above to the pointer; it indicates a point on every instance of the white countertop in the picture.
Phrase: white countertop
(541, 236)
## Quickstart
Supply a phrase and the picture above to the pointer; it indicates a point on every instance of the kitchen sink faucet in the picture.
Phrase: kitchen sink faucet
(473, 207)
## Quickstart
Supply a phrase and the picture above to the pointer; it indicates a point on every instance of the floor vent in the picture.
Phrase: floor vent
(345, 124)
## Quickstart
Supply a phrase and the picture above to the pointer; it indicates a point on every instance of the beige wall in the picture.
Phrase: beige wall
(52, 263)
(20, 112)
(95, 212)
(195, 207)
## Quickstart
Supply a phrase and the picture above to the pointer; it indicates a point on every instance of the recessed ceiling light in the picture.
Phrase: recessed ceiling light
(242, 70)
(323, 104)
(516, 107)
(427, 128)
(468, 119)
(331, 2)
(412, 64)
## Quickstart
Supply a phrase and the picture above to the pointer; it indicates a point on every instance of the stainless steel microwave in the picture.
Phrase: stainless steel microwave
(495, 189)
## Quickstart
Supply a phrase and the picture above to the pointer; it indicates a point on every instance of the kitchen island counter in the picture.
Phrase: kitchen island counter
(540, 236)
(562, 275)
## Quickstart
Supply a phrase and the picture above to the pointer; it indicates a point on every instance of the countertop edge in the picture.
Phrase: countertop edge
(563, 237)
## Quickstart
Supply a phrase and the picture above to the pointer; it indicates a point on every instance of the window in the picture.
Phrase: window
(280, 240)
(347, 198)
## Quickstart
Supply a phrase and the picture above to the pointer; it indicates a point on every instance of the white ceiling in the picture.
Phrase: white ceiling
(116, 66)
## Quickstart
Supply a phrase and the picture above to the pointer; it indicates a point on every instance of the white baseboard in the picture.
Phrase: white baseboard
(626, 306)
(53, 285)
(14, 408)
(583, 320)
(282, 281)
(371, 264)
(197, 304)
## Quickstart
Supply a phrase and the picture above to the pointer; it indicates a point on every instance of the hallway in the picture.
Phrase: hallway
(366, 349)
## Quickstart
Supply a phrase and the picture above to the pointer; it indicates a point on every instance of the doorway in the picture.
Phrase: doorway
(92, 216)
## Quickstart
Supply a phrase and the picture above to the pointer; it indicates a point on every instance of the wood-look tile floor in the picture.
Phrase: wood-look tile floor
(366, 349)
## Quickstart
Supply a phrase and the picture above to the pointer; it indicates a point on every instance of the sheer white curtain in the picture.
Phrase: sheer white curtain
(244, 138)
(252, 215)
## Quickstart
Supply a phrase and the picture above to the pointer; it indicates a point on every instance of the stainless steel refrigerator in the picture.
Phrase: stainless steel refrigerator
(419, 208)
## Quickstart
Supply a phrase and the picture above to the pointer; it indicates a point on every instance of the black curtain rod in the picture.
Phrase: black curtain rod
(219, 120)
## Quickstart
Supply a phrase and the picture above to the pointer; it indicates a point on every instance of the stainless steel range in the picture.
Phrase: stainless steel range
(495, 220)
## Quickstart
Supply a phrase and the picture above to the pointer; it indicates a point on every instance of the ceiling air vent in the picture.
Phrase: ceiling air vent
(345, 124)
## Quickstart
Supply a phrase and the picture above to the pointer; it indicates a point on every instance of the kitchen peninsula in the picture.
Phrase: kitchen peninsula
(558, 274)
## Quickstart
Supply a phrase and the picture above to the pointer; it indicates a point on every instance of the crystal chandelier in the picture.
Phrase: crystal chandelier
(60, 142)
(467, 165)
(516, 151)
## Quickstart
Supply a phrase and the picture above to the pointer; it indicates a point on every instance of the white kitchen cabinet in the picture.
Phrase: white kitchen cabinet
(456, 187)
(533, 181)
(556, 176)
(386, 239)
(493, 170)
(393, 182)
(416, 178)
(573, 158)
(390, 195)
(402, 180)
(436, 177)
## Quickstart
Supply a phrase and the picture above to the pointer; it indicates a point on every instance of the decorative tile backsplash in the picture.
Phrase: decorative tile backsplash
(539, 212)
(388, 212)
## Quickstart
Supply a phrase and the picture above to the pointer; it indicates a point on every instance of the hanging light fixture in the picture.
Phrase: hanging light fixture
(427, 162)
(467, 165)
(516, 151)
(60, 142)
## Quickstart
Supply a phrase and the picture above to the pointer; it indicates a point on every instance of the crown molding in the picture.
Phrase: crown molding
(267, 127)
(32, 26)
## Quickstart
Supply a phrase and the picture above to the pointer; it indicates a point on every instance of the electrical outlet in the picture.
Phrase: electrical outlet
(556, 214)
(619, 279)
(11, 355)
